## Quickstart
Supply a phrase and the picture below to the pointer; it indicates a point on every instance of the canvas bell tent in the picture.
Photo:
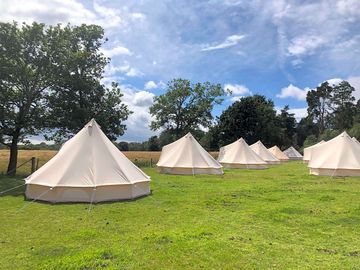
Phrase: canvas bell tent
(88, 168)
(307, 151)
(278, 154)
(239, 155)
(339, 156)
(264, 153)
(293, 154)
(187, 156)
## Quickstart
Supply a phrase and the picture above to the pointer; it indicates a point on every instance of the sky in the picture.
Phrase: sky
(279, 48)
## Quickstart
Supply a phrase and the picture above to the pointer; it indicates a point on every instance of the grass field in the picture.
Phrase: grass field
(280, 218)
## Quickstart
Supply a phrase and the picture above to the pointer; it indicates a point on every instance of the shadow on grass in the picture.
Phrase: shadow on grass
(87, 203)
(8, 182)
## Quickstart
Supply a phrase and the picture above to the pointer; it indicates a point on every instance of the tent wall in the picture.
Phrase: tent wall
(190, 171)
(87, 194)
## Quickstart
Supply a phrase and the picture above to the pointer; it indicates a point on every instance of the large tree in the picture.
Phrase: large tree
(253, 118)
(287, 124)
(25, 75)
(319, 105)
(185, 107)
(50, 79)
(343, 106)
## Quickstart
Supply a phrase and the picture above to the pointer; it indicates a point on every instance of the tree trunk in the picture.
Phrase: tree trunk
(11, 171)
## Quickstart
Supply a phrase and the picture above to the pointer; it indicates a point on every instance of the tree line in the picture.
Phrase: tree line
(182, 108)
(51, 84)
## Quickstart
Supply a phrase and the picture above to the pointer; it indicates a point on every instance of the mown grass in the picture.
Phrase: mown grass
(280, 218)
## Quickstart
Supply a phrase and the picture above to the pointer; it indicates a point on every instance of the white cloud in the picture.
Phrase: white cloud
(228, 42)
(292, 91)
(355, 82)
(299, 113)
(138, 122)
(134, 72)
(237, 89)
(115, 51)
(334, 81)
(236, 98)
(150, 85)
(153, 85)
(305, 45)
(58, 11)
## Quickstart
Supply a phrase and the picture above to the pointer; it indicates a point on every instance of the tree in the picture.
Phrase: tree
(153, 144)
(319, 105)
(305, 128)
(25, 59)
(185, 107)
(123, 146)
(43, 71)
(252, 118)
(342, 103)
(287, 123)
(78, 94)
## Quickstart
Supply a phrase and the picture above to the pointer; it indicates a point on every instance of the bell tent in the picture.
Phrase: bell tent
(339, 156)
(293, 154)
(307, 151)
(264, 153)
(88, 168)
(239, 155)
(187, 156)
(278, 154)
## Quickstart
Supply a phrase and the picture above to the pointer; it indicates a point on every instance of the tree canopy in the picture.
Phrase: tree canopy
(50, 79)
(185, 107)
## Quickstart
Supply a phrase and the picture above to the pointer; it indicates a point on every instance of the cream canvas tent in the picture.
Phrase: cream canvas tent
(307, 151)
(279, 154)
(355, 140)
(186, 156)
(339, 156)
(239, 155)
(293, 154)
(264, 153)
(88, 168)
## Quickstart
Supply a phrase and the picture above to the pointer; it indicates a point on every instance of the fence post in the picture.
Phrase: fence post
(37, 164)
(33, 164)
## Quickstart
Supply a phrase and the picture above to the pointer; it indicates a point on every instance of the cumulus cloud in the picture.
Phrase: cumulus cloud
(228, 42)
(134, 72)
(305, 45)
(334, 81)
(153, 85)
(237, 89)
(58, 11)
(292, 91)
(298, 112)
(138, 122)
(115, 51)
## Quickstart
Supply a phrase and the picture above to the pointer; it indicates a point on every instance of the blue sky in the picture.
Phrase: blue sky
(276, 48)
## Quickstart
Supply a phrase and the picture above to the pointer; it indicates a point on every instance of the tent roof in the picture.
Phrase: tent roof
(88, 159)
(239, 152)
(291, 152)
(263, 152)
(186, 152)
(341, 152)
(278, 153)
(307, 150)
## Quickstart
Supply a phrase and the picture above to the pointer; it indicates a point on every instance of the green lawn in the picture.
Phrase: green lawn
(280, 218)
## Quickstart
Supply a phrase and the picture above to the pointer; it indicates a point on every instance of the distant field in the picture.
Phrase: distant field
(279, 218)
(140, 158)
